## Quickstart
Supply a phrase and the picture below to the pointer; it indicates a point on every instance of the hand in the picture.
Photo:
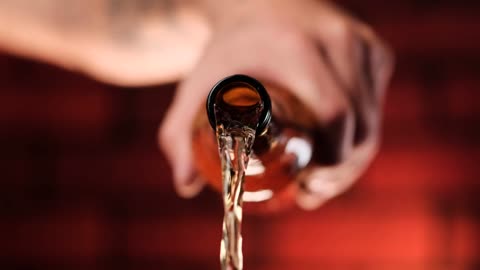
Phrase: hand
(334, 64)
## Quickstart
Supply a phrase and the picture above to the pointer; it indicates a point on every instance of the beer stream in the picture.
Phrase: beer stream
(237, 112)
(235, 146)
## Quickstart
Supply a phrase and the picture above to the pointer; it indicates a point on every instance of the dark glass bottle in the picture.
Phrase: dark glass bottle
(282, 146)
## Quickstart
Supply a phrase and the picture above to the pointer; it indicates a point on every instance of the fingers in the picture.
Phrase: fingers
(360, 63)
(361, 66)
(381, 57)
(321, 183)
(175, 133)
(174, 140)
(332, 170)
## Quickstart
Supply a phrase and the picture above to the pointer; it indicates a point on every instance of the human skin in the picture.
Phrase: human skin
(336, 66)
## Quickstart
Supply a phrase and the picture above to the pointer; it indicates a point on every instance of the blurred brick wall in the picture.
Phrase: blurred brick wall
(83, 186)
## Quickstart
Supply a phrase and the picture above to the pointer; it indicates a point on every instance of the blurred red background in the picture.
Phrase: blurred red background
(83, 186)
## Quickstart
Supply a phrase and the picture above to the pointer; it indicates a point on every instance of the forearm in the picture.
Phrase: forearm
(139, 42)
(109, 39)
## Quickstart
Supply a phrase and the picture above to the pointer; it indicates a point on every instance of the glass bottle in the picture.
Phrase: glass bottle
(283, 146)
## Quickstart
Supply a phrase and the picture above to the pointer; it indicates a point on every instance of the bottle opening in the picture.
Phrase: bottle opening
(239, 100)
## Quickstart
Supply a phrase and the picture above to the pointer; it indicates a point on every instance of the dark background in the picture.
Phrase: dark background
(83, 186)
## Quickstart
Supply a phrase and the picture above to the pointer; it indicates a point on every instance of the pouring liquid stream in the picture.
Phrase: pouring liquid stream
(235, 146)
(237, 111)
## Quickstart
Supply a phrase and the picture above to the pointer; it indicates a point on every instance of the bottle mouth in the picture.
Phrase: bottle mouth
(237, 97)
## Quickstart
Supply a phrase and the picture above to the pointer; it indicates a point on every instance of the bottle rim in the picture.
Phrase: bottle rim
(265, 116)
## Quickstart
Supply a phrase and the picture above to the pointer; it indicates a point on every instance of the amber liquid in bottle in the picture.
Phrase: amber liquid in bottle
(281, 149)
(256, 159)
